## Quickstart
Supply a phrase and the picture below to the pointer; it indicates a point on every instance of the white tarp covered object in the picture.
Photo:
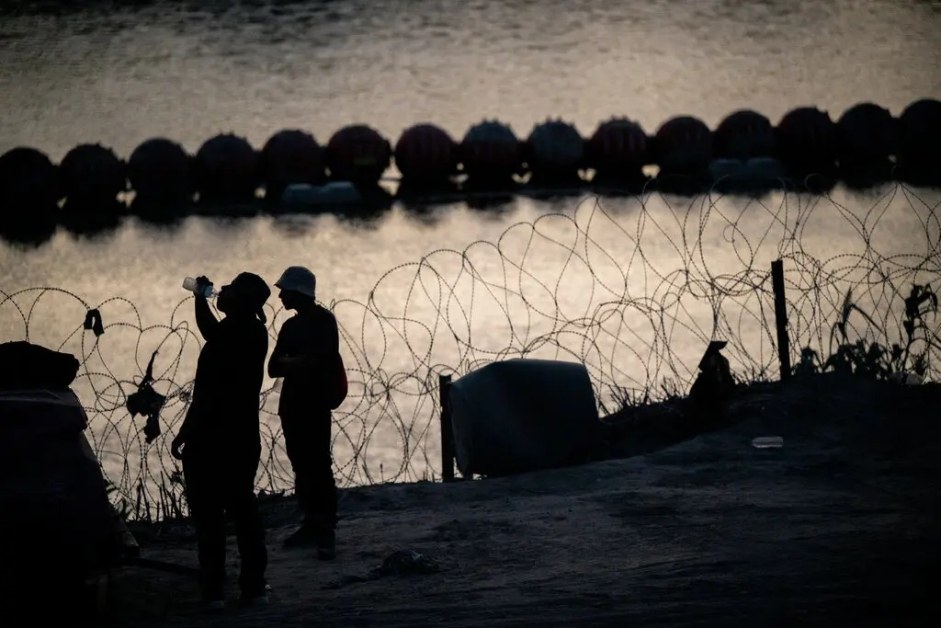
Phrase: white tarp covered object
(523, 414)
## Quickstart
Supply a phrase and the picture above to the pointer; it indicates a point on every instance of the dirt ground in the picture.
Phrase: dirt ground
(839, 527)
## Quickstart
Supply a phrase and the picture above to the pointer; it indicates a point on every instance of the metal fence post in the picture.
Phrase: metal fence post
(780, 318)
(447, 433)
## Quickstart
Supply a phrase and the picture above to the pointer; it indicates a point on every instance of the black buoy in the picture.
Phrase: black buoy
(490, 155)
(805, 143)
(867, 136)
(161, 175)
(29, 196)
(226, 171)
(554, 153)
(682, 149)
(93, 177)
(618, 152)
(743, 134)
(919, 146)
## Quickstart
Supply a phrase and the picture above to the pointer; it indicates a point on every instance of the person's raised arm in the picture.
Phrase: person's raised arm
(205, 319)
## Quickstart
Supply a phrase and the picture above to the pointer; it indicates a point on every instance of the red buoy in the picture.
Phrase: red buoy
(358, 153)
(291, 156)
(426, 154)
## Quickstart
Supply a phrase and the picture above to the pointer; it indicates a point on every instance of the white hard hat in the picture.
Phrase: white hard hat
(298, 279)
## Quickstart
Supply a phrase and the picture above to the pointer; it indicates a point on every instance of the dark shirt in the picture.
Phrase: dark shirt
(311, 333)
(229, 374)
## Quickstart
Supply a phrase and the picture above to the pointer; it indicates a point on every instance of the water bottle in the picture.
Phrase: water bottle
(208, 291)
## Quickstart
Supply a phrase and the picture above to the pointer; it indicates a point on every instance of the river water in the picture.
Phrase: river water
(420, 291)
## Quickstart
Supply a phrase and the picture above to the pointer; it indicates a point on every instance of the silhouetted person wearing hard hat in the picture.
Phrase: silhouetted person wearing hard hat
(305, 356)
(219, 440)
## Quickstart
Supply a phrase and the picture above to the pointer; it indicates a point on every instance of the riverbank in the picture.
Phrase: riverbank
(837, 527)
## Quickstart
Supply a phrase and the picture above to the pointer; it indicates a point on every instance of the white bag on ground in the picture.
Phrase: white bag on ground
(521, 415)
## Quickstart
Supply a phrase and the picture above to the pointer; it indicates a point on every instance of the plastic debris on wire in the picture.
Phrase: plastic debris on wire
(147, 402)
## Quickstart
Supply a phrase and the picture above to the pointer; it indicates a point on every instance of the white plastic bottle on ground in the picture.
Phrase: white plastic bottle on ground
(767, 442)
(190, 284)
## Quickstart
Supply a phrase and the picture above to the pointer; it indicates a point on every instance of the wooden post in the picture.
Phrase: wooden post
(447, 432)
(780, 318)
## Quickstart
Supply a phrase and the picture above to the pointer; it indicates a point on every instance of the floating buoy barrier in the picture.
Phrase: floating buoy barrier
(805, 143)
(226, 170)
(427, 158)
(866, 139)
(28, 178)
(682, 152)
(554, 152)
(683, 146)
(92, 177)
(160, 173)
(618, 151)
(743, 135)
(30, 192)
(289, 157)
(807, 150)
(491, 155)
(919, 143)
(358, 153)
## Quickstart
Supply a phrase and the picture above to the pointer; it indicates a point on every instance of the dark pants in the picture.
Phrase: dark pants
(307, 441)
(214, 489)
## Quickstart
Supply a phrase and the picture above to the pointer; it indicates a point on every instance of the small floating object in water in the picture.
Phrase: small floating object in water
(767, 442)
(333, 193)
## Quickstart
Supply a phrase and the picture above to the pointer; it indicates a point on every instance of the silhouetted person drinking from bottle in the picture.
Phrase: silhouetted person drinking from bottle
(305, 356)
(219, 440)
